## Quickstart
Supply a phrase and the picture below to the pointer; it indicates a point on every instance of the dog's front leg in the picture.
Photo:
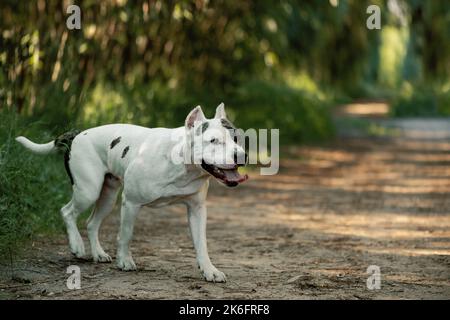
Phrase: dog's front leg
(197, 223)
(128, 215)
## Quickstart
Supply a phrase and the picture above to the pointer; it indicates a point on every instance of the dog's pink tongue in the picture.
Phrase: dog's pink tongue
(234, 176)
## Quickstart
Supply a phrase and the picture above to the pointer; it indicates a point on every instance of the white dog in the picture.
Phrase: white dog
(100, 160)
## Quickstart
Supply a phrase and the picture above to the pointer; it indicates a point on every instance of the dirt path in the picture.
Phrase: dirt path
(309, 232)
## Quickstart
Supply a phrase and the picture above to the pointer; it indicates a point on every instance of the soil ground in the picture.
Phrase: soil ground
(373, 197)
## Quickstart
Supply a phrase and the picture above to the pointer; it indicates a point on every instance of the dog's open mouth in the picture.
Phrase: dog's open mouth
(230, 177)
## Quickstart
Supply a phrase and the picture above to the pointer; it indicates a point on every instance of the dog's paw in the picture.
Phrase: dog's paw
(211, 274)
(77, 249)
(126, 264)
(102, 257)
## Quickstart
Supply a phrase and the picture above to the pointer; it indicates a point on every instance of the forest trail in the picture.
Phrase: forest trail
(378, 195)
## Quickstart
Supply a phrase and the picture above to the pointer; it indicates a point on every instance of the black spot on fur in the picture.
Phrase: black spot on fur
(110, 177)
(232, 129)
(124, 153)
(66, 165)
(227, 124)
(115, 142)
(64, 143)
(203, 127)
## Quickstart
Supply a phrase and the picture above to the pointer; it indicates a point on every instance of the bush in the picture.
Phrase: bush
(299, 116)
(443, 103)
(422, 102)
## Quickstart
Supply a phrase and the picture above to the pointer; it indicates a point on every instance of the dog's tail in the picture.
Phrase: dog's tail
(44, 148)
(63, 143)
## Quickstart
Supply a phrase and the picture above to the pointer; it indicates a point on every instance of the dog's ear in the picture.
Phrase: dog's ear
(195, 115)
(220, 112)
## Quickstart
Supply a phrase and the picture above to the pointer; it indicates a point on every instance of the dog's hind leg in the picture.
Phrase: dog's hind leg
(103, 207)
(75, 240)
(86, 190)
(80, 202)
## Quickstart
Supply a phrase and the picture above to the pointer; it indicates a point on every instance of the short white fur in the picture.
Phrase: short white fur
(148, 177)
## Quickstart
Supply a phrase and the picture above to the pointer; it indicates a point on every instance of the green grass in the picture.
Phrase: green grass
(33, 188)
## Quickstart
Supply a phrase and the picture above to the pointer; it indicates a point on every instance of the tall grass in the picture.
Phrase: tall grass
(33, 188)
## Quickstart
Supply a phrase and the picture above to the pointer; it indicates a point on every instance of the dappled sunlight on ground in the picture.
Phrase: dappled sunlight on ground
(385, 203)
(365, 109)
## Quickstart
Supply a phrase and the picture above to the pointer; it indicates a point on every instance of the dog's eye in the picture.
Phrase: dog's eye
(214, 140)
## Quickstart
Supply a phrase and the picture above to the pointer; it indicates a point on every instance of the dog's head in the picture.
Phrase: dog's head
(214, 146)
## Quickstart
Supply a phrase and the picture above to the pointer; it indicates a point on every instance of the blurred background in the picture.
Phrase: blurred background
(276, 64)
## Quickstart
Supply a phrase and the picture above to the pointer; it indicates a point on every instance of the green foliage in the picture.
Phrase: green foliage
(302, 116)
(424, 101)
(51, 71)
(419, 104)
(430, 25)
(149, 105)
(299, 116)
(443, 102)
(392, 53)
(32, 188)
